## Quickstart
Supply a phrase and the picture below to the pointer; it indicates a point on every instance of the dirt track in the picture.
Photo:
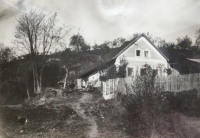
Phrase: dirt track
(84, 109)
(86, 98)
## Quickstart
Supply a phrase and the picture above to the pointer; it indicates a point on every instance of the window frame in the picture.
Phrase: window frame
(148, 55)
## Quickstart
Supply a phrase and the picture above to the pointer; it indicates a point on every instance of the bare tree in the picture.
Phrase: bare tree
(37, 34)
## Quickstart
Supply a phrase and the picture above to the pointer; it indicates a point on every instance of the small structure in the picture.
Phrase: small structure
(194, 64)
(136, 52)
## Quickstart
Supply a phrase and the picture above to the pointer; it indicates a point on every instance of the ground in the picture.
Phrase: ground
(85, 115)
(69, 117)
(54, 120)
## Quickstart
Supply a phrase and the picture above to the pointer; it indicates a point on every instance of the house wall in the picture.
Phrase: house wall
(154, 58)
(79, 83)
(94, 79)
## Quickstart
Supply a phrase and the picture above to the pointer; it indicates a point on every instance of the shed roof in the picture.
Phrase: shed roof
(194, 60)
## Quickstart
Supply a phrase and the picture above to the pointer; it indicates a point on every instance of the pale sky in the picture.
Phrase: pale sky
(101, 20)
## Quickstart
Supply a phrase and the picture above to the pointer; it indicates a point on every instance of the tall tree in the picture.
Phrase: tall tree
(157, 41)
(37, 34)
(78, 43)
(102, 48)
(184, 43)
(169, 45)
(148, 35)
(118, 42)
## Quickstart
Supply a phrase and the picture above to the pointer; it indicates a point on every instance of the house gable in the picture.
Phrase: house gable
(145, 49)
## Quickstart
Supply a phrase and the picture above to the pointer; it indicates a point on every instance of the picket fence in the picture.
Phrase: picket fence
(170, 83)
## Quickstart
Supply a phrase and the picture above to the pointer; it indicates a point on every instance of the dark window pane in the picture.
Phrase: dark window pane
(138, 52)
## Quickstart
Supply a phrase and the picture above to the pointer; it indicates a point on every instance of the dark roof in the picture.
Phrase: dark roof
(93, 68)
(115, 53)
(108, 57)
(165, 52)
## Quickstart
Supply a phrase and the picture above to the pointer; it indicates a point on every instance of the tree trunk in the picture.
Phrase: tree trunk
(65, 79)
(38, 87)
(40, 80)
(36, 81)
(34, 84)
(27, 91)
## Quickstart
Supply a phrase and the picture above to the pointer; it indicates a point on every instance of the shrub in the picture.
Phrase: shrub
(52, 73)
(146, 102)
(168, 71)
(122, 68)
(112, 72)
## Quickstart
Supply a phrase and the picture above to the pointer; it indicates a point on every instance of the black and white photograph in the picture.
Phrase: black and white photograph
(99, 69)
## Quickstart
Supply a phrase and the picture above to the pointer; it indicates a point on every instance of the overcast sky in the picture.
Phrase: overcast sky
(101, 20)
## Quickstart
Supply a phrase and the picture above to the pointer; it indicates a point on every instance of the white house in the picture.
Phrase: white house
(137, 52)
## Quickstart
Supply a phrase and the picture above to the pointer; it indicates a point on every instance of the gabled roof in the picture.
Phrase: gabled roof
(115, 53)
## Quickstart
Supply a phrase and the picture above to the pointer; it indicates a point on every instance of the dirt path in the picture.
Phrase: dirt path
(86, 98)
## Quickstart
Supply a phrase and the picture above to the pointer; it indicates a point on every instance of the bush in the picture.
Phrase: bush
(186, 102)
(146, 102)
(52, 73)
(112, 72)
(122, 69)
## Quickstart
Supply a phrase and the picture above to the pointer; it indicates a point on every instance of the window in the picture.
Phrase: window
(130, 72)
(110, 86)
(146, 54)
(137, 53)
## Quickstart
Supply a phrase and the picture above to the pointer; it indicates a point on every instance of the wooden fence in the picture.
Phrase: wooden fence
(177, 83)
(171, 83)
